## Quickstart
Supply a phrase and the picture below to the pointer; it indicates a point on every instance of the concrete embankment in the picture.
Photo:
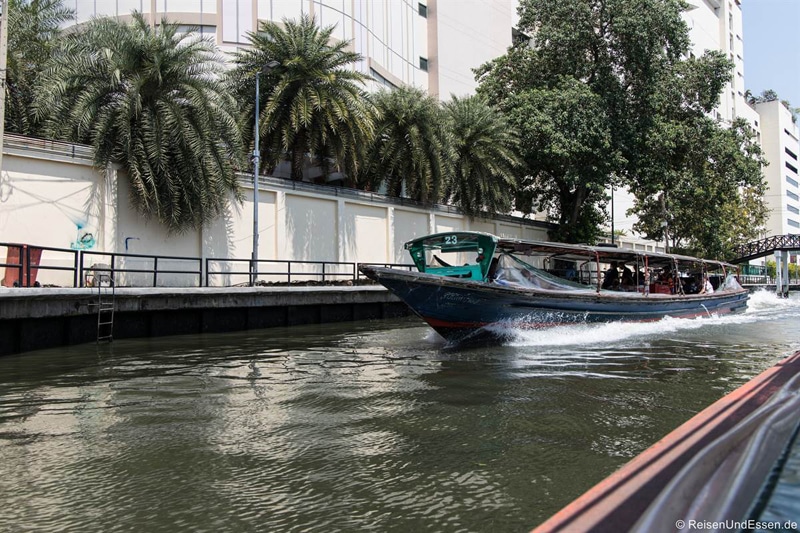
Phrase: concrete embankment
(33, 319)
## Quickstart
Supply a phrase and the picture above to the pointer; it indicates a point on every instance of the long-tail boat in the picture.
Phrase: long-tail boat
(472, 285)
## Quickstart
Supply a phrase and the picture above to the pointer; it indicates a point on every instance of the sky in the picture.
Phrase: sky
(772, 47)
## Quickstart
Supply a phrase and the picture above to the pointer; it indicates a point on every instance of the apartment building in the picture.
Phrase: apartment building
(781, 145)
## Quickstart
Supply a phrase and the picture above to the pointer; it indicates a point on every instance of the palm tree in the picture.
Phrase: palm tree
(314, 101)
(151, 101)
(486, 157)
(34, 27)
(412, 150)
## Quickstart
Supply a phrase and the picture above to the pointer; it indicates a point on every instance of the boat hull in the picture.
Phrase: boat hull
(462, 310)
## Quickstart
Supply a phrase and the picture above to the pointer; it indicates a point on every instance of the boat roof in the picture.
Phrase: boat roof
(566, 251)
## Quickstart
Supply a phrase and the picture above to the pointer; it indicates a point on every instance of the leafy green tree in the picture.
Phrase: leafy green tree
(612, 57)
(562, 131)
(698, 183)
(34, 28)
(313, 102)
(149, 100)
(712, 201)
(486, 160)
(412, 152)
(768, 95)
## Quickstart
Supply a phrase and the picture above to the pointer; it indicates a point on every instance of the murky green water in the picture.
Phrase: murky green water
(355, 427)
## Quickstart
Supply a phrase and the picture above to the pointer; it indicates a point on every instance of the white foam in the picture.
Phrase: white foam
(762, 305)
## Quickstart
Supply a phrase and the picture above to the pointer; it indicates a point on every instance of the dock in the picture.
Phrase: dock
(38, 318)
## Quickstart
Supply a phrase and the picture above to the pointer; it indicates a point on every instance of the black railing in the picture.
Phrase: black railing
(23, 263)
(764, 247)
(287, 271)
(118, 264)
(90, 268)
(270, 269)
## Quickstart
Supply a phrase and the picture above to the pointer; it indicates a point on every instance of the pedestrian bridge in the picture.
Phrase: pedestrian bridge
(768, 246)
(777, 245)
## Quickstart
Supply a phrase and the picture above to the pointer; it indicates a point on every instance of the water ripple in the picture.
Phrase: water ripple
(355, 427)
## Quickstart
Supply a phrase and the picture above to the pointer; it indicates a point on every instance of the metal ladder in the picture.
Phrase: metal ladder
(106, 293)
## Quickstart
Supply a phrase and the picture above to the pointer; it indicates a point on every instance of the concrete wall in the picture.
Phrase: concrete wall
(33, 319)
(50, 198)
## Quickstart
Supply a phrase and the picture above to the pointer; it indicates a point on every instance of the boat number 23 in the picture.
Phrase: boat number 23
(450, 239)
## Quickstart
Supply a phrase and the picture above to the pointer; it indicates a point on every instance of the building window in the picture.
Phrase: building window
(518, 37)
(793, 209)
(423, 65)
(381, 80)
(792, 195)
(423, 10)
(792, 168)
(791, 182)
(790, 153)
(793, 223)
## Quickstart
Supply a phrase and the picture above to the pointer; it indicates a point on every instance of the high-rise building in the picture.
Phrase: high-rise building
(717, 25)
(781, 145)
(431, 44)
(390, 36)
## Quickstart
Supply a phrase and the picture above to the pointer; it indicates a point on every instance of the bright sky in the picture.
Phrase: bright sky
(772, 47)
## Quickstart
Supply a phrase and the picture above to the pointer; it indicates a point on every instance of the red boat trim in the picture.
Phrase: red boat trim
(617, 502)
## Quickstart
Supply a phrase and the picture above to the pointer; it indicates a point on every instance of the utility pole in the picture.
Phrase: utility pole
(256, 161)
(612, 214)
(3, 63)
(256, 164)
(665, 223)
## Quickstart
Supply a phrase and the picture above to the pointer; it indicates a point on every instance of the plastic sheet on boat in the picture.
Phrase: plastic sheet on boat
(513, 271)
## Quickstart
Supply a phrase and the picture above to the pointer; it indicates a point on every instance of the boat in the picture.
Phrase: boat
(474, 286)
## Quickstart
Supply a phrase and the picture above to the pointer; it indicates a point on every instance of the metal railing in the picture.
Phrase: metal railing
(89, 268)
(48, 146)
(287, 270)
(23, 263)
(120, 264)
(282, 268)
(767, 246)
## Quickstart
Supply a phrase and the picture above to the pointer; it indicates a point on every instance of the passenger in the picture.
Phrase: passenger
(708, 288)
(690, 286)
(627, 283)
(611, 277)
(492, 273)
(665, 282)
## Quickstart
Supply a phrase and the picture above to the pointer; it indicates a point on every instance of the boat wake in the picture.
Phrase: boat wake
(762, 305)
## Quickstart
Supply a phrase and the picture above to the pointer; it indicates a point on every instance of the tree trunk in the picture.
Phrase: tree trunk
(298, 155)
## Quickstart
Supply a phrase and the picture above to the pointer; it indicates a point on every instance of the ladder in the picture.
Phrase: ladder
(106, 293)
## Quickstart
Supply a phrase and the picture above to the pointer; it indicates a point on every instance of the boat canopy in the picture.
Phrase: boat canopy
(603, 254)
(481, 244)
(424, 252)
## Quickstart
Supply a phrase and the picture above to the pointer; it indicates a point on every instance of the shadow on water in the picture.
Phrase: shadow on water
(374, 426)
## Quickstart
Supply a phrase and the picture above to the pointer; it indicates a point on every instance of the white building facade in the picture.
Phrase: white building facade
(781, 147)
(430, 44)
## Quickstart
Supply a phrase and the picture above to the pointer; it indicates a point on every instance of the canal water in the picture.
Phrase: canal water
(374, 426)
